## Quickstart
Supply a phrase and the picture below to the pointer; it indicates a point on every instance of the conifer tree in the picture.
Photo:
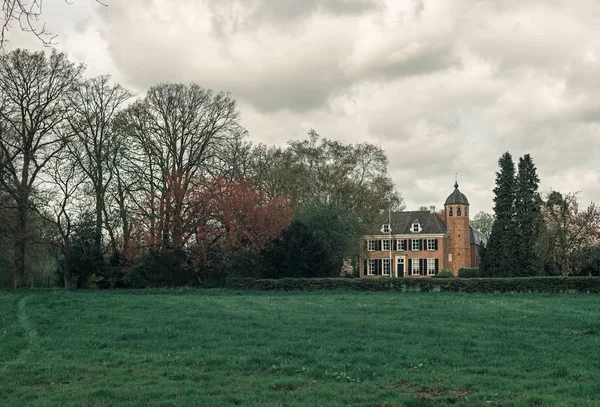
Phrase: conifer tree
(500, 259)
(528, 218)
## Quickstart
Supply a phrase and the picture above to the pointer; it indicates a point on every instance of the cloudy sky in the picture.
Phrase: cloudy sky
(442, 86)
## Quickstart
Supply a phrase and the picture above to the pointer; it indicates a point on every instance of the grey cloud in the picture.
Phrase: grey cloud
(281, 12)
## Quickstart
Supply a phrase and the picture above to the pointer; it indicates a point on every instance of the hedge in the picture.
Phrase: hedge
(470, 285)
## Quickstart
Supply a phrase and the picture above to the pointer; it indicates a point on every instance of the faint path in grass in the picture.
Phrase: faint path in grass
(30, 332)
(21, 321)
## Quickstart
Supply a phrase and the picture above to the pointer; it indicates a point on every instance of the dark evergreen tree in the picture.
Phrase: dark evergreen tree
(528, 218)
(500, 257)
(301, 252)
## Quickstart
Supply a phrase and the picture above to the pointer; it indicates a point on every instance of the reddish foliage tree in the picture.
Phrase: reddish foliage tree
(202, 216)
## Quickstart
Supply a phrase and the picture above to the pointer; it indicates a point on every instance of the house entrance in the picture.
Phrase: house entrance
(400, 270)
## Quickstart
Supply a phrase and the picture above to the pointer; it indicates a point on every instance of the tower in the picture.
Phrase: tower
(456, 210)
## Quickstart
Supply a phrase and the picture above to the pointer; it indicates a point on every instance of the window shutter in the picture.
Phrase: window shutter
(435, 245)
(437, 265)
(405, 244)
(422, 263)
(410, 267)
(378, 246)
(421, 245)
(366, 267)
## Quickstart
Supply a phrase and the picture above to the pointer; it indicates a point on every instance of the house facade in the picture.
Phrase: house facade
(420, 244)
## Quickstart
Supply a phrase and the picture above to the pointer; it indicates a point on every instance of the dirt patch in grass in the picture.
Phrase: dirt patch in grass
(433, 393)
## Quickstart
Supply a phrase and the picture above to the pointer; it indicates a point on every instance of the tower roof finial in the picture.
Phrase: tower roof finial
(456, 180)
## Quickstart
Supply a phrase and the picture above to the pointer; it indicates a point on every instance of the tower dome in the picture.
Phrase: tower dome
(456, 197)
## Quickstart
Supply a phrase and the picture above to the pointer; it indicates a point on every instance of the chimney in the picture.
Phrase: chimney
(432, 209)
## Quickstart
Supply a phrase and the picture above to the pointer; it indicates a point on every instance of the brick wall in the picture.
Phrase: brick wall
(459, 241)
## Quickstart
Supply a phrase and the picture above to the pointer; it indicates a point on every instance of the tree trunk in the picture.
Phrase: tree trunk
(20, 247)
(98, 229)
(67, 269)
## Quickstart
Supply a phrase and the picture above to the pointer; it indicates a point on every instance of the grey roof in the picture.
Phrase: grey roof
(477, 237)
(457, 197)
(402, 222)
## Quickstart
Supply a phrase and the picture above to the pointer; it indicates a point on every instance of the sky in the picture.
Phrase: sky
(444, 87)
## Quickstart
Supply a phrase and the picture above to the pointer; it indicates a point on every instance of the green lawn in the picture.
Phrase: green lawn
(222, 348)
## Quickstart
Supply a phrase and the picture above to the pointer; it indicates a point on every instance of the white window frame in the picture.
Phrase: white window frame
(399, 245)
(412, 245)
(371, 267)
(415, 227)
(415, 268)
(386, 245)
(431, 267)
(371, 245)
(385, 228)
(431, 245)
(385, 267)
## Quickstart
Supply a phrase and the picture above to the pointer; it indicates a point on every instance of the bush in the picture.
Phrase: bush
(445, 273)
(469, 272)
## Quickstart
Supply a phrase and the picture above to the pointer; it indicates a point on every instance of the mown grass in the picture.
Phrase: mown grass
(223, 348)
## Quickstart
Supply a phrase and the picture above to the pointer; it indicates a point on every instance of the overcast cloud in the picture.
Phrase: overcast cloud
(443, 86)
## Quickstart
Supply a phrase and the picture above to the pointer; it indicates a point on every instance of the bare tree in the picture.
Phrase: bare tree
(178, 131)
(96, 143)
(26, 15)
(34, 90)
(62, 206)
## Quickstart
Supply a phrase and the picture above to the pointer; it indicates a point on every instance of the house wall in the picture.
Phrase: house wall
(440, 254)
(475, 259)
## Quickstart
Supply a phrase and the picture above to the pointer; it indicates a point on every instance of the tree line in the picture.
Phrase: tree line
(101, 187)
(536, 234)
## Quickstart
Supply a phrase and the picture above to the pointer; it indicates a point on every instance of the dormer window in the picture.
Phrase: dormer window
(385, 228)
(416, 226)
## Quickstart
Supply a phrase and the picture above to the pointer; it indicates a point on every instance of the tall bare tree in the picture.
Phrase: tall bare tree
(181, 131)
(96, 143)
(34, 93)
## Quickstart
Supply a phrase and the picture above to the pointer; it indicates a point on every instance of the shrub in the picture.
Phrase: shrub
(445, 273)
(469, 272)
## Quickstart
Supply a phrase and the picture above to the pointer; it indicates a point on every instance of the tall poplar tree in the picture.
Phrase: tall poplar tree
(528, 218)
(500, 258)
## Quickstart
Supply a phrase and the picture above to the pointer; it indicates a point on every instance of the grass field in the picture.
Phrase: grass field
(223, 348)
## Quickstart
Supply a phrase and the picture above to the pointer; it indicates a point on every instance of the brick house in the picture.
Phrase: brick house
(422, 243)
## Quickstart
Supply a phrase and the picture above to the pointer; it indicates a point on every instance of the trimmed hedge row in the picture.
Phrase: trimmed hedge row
(471, 285)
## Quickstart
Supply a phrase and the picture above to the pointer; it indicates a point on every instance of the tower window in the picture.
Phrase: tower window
(466, 213)
(458, 211)
(450, 211)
